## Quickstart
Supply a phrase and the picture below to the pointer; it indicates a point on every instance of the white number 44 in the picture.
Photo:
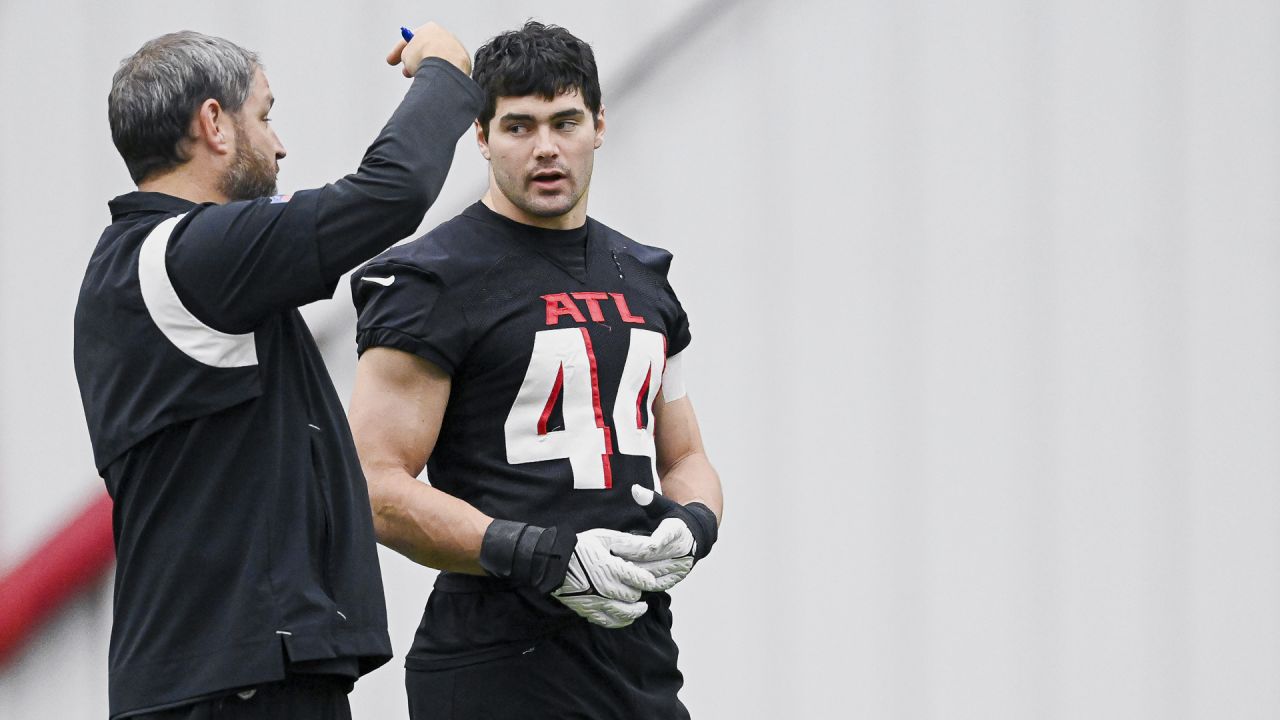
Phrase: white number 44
(564, 365)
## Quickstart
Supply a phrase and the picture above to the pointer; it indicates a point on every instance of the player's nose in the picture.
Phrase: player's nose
(546, 144)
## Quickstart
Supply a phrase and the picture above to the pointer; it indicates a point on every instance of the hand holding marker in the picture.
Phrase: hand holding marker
(430, 40)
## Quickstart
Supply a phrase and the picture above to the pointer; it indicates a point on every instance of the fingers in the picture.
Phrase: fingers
(668, 572)
(589, 575)
(596, 565)
(605, 574)
(642, 495)
(672, 539)
(614, 614)
(603, 611)
(619, 566)
(396, 55)
(655, 505)
(626, 545)
(430, 40)
(632, 576)
(393, 57)
(672, 566)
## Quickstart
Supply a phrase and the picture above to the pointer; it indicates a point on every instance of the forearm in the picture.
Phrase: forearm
(427, 526)
(693, 479)
(402, 172)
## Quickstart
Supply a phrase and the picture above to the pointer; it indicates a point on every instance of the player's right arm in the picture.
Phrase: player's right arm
(396, 411)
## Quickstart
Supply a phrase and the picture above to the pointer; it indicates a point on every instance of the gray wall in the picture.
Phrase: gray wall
(985, 300)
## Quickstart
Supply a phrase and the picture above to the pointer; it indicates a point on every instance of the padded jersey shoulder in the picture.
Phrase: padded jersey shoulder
(653, 258)
(456, 250)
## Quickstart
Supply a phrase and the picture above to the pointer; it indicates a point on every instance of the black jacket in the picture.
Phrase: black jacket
(244, 538)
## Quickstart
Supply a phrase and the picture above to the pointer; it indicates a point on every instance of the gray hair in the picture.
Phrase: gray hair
(158, 89)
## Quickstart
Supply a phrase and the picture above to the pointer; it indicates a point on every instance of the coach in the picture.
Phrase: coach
(247, 582)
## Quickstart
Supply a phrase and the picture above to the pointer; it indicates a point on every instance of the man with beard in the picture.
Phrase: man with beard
(530, 357)
(247, 580)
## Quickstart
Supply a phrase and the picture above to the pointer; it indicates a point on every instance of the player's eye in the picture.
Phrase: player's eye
(567, 125)
(517, 129)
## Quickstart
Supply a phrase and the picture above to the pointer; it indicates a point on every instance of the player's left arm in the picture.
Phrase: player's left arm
(685, 471)
(688, 511)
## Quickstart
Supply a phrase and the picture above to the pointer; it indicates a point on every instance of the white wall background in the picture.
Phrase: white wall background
(986, 306)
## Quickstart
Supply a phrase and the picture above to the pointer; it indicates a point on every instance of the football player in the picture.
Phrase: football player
(531, 358)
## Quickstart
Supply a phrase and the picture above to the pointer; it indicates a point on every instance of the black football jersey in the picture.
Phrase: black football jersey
(555, 364)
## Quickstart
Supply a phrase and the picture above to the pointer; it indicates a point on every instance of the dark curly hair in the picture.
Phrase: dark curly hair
(537, 59)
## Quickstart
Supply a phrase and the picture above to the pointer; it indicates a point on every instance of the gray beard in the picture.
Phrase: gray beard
(250, 176)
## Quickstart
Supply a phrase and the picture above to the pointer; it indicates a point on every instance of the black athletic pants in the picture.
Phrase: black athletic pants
(297, 697)
(579, 674)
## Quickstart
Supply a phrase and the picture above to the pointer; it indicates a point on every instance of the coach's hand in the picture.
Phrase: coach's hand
(430, 40)
(602, 587)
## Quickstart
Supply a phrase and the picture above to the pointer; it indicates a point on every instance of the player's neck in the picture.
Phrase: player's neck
(575, 218)
(189, 183)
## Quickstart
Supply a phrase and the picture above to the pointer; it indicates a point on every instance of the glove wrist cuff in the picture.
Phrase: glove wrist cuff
(526, 554)
(704, 527)
(498, 548)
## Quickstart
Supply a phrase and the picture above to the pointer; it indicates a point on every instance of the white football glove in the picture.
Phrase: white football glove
(667, 553)
(604, 588)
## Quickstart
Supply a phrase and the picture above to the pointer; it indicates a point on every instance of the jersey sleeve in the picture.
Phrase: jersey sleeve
(411, 309)
(679, 337)
(655, 265)
(236, 264)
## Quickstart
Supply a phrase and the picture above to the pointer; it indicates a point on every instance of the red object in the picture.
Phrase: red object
(593, 303)
(595, 400)
(551, 401)
(624, 310)
(560, 304)
(644, 394)
(73, 559)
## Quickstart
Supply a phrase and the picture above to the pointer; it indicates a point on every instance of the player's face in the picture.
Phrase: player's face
(255, 165)
(541, 153)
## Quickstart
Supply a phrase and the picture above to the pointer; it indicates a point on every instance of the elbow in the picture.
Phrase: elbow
(382, 506)
(412, 190)
(407, 211)
(416, 198)
(381, 529)
(392, 197)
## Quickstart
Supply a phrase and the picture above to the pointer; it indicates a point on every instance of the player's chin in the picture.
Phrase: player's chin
(553, 205)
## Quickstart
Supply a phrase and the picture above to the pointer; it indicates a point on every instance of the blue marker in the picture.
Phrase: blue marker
(406, 33)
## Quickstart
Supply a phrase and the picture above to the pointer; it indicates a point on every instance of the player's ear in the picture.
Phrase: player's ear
(212, 127)
(599, 118)
(481, 141)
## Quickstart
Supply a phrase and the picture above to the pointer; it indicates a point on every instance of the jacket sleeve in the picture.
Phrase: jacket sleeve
(236, 264)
